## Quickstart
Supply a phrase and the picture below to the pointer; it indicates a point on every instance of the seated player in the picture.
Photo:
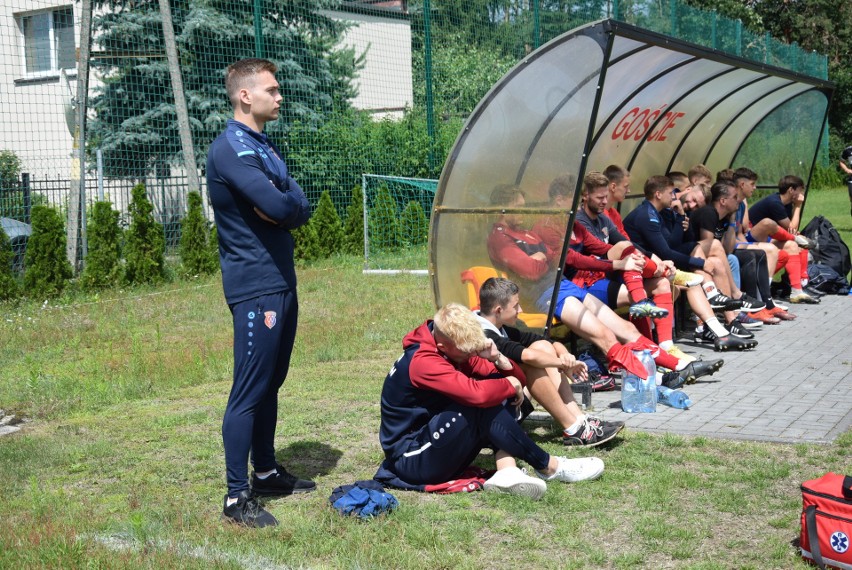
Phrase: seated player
(546, 364)
(530, 263)
(776, 218)
(451, 394)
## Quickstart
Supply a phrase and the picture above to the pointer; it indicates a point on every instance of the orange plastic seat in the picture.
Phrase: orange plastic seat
(474, 277)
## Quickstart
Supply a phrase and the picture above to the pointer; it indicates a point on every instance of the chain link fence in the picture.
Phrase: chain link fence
(98, 95)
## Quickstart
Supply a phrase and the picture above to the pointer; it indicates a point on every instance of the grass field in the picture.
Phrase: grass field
(120, 464)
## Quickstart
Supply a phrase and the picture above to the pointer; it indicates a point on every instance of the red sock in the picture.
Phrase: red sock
(661, 357)
(803, 264)
(794, 270)
(783, 235)
(635, 286)
(783, 258)
(650, 268)
(620, 356)
(643, 325)
(664, 325)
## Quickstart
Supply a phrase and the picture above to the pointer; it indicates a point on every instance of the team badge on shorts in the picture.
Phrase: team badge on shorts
(270, 318)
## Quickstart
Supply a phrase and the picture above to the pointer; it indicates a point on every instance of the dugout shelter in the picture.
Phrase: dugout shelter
(611, 93)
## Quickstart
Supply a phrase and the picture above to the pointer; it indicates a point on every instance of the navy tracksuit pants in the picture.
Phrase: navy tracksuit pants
(264, 331)
(452, 439)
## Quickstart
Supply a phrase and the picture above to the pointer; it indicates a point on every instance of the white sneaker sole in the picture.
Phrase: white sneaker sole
(531, 489)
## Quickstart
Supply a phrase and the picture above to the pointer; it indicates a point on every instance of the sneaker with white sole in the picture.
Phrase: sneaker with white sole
(687, 279)
(574, 470)
(804, 242)
(681, 355)
(738, 330)
(647, 308)
(514, 481)
(591, 434)
(721, 302)
(749, 321)
(721, 344)
(750, 304)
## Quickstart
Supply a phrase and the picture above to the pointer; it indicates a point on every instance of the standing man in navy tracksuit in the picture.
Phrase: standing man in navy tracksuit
(256, 203)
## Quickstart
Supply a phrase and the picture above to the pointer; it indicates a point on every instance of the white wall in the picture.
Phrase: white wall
(384, 85)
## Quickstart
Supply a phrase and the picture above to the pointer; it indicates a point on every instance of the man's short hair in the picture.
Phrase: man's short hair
(615, 173)
(505, 194)
(594, 180)
(656, 184)
(676, 176)
(241, 74)
(790, 181)
(725, 174)
(743, 173)
(699, 170)
(496, 292)
(562, 185)
(720, 189)
(460, 325)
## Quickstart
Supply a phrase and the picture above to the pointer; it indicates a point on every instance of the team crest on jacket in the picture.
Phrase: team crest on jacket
(270, 318)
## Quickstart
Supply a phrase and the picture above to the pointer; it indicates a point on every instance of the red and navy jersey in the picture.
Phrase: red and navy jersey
(423, 382)
(245, 171)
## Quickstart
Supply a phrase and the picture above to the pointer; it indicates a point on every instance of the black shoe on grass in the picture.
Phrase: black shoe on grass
(280, 484)
(247, 512)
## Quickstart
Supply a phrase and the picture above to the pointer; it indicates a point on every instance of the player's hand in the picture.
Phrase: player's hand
(264, 217)
(490, 352)
(519, 390)
(579, 371)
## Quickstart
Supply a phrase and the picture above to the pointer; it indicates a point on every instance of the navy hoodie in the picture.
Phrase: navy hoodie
(424, 382)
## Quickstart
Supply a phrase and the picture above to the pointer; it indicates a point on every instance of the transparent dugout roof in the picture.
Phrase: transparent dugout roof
(609, 93)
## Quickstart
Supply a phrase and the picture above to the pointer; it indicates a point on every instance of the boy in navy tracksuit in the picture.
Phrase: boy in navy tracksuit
(256, 203)
(450, 395)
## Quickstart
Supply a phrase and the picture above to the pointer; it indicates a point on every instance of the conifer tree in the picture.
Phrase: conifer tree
(145, 242)
(328, 228)
(415, 227)
(8, 284)
(306, 242)
(384, 222)
(103, 260)
(195, 238)
(213, 248)
(47, 269)
(353, 226)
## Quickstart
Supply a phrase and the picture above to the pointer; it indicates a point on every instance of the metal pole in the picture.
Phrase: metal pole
(364, 202)
(180, 101)
(430, 110)
(536, 25)
(258, 30)
(75, 246)
(28, 201)
(100, 156)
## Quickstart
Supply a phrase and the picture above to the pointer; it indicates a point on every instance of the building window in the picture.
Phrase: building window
(48, 41)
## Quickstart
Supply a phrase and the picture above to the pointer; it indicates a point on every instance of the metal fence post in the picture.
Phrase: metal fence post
(28, 201)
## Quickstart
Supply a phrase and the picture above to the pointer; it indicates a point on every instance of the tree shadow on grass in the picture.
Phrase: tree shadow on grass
(309, 458)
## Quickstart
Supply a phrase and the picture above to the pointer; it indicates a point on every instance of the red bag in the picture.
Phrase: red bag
(827, 521)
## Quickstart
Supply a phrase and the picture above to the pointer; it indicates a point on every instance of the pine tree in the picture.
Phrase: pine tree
(47, 269)
(306, 242)
(8, 284)
(134, 121)
(328, 228)
(103, 260)
(353, 226)
(145, 242)
(195, 238)
(415, 227)
(384, 222)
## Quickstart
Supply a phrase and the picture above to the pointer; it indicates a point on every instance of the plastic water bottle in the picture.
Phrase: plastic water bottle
(674, 398)
(640, 394)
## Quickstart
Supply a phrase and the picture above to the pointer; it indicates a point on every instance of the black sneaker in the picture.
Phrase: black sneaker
(727, 342)
(595, 421)
(591, 435)
(720, 302)
(281, 484)
(737, 329)
(750, 304)
(695, 370)
(247, 512)
(813, 291)
(672, 379)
